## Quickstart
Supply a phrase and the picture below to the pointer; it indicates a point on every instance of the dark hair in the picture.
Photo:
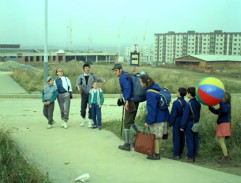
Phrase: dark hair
(227, 97)
(147, 80)
(182, 91)
(192, 91)
(57, 70)
(86, 65)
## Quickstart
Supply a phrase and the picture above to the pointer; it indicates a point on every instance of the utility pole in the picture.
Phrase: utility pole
(46, 69)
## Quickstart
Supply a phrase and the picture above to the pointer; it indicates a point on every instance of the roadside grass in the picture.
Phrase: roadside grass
(14, 168)
(172, 78)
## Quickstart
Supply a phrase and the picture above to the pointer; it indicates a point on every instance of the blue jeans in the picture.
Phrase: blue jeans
(96, 114)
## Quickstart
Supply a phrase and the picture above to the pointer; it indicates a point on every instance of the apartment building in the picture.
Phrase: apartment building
(171, 45)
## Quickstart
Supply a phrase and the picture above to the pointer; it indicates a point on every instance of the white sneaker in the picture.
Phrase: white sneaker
(90, 123)
(65, 125)
(62, 124)
(49, 126)
(83, 122)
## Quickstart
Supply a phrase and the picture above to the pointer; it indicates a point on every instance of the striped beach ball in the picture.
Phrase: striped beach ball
(210, 91)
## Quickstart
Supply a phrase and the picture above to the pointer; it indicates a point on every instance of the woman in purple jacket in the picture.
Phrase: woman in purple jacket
(223, 121)
(156, 118)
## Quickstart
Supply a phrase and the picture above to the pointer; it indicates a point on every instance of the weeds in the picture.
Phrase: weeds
(13, 167)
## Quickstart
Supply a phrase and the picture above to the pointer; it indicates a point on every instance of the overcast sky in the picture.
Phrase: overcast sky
(112, 22)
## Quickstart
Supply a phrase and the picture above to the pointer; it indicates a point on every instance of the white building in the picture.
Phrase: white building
(173, 45)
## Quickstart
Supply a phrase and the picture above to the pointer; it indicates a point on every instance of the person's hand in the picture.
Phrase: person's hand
(146, 125)
(181, 129)
(104, 81)
(100, 106)
(90, 106)
(127, 106)
(79, 89)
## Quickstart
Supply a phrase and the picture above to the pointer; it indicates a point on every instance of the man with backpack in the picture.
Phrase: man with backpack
(130, 106)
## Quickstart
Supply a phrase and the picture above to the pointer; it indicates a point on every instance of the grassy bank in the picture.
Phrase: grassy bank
(172, 78)
(13, 167)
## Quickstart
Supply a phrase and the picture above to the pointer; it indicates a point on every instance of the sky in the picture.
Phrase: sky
(103, 23)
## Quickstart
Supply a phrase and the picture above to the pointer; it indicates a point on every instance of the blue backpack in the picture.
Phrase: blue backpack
(139, 92)
(165, 98)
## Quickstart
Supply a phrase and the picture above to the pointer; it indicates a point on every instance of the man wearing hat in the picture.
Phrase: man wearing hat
(49, 95)
(130, 106)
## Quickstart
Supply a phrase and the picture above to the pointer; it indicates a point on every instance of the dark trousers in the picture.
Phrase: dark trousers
(178, 138)
(192, 141)
(84, 102)
(129, 118)
(96, 114)
(48, 111)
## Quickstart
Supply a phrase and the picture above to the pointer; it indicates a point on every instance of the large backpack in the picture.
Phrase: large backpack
(165, 98)
(139, 92)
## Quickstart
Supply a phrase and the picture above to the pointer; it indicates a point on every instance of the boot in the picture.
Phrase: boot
(154, 156)
(126, 147)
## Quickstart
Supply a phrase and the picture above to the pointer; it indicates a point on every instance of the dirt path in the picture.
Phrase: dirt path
(67, 153)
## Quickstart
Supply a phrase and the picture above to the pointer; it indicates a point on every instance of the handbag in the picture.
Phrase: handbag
(145, 143)
(196, 126)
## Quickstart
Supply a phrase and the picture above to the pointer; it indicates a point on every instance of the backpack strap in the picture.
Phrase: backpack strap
(151, 90)
(181, 104)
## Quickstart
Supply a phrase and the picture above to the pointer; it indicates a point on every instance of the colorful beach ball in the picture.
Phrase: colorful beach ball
(210, 91)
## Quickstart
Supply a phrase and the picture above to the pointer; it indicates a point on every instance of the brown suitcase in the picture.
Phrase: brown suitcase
(145, 143)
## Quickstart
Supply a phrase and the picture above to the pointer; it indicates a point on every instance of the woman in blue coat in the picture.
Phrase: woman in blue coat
(156, 118)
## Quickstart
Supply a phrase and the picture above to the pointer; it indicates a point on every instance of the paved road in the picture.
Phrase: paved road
(66, 154)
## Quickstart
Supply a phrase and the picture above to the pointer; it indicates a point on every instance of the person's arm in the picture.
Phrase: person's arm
(173, 113)
(99, 80)
(213, 110)
(185, 117)
(53, 98)
(90, 96)
(69, 84)
(43, 99)
(101, 98)
(126, 87)
(151, 105)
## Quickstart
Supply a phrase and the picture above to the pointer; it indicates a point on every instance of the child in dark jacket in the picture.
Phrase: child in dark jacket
(49, 95)
(175, 121)
(223, 121)
(191, 115)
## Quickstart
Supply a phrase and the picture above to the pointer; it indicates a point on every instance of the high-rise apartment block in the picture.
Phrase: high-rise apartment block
(173, 45)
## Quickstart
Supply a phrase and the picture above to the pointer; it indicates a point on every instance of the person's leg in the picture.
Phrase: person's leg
(190, 143)
(196, 145)
(99, 119)
(61, 104)
(176, 139)
(45, 111)
(50, 113)
(221, 141)
(93, 108)
(84, 102)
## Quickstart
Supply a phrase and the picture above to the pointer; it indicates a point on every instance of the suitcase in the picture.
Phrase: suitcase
(145, 143)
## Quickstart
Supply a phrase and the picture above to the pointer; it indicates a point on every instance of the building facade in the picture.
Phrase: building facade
(171, 45)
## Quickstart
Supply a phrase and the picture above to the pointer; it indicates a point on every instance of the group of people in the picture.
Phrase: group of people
(182, 116)
(61, 88)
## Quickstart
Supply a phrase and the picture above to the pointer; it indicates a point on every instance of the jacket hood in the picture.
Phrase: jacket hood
(155, 87)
